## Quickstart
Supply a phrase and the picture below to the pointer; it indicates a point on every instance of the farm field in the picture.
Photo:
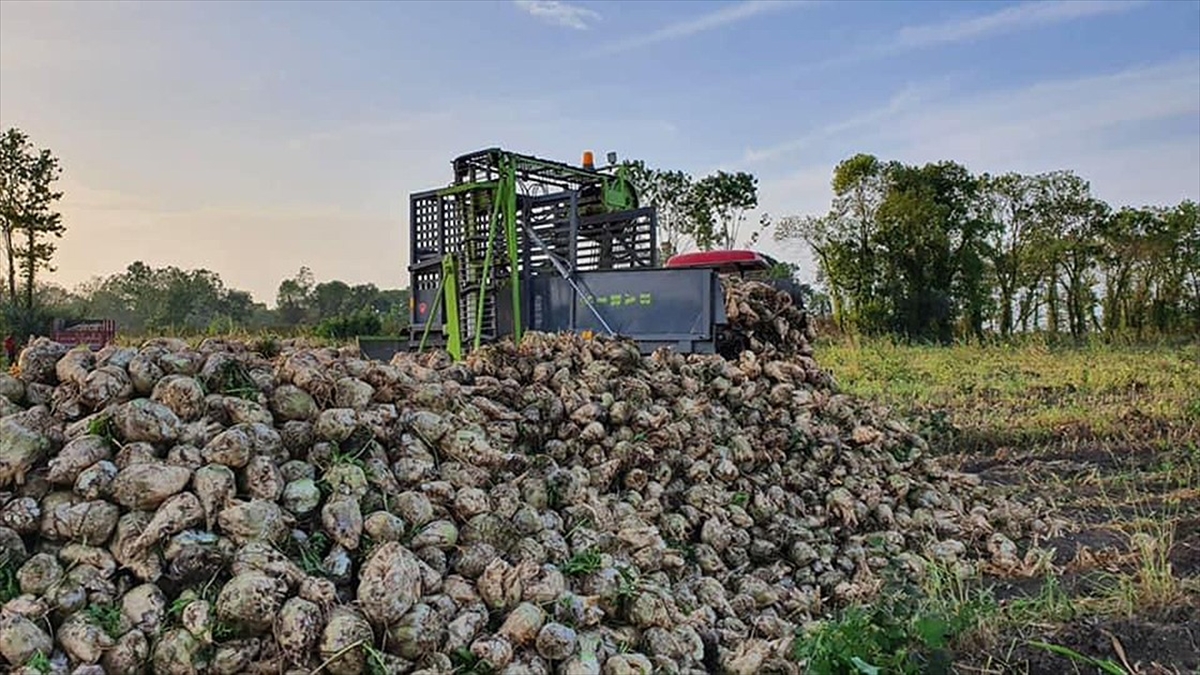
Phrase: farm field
(1110, 435)
(1088, 458)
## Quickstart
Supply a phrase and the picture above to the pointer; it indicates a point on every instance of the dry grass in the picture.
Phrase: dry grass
(1108, 434)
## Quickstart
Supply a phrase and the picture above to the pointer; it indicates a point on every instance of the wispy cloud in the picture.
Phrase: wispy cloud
(1034, 14)
(906, 99)
(1127, 132)
(728, 14)
(1007, 123)
(1025, 16)
(559, 13)
(1091, 125)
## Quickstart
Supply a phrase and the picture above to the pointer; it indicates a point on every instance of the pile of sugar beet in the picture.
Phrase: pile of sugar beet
(559, 506)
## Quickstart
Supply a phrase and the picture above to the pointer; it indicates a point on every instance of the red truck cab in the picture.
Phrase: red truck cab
(743, 263)
(736, 261)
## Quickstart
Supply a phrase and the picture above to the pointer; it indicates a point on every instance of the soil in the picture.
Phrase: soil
(1086, 485)
(1169, 645)
(1185, 555)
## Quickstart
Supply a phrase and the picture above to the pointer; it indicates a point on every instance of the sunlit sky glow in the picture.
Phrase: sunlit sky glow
(251, 138)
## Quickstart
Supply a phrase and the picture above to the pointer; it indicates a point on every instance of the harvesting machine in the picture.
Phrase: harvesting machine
(517, 243)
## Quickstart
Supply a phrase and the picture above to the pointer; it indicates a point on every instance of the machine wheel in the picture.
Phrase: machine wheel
(731, 344)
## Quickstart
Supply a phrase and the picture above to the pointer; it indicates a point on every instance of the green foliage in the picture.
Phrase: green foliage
(165, 299)
(934, 252)
(708, 212)
(107, 617)
(104, 427)
(901, 633)
(1030, 390)
(145, 300)
(26, 214)
(24, 321)
(465, 662)
(717, 208)
(361, 322)
(233, 379)
(310, 554)
(40, 663)
(1105, 665)
(583, 563)
(9, 586)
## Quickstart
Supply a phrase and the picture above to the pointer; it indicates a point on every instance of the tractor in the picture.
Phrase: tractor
(516, 243)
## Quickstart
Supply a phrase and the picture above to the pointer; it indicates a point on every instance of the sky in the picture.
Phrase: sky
(253, 138)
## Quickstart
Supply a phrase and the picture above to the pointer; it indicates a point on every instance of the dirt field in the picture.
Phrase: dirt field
(1112, 437)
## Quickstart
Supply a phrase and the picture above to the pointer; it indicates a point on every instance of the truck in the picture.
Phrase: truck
(95, 333)
(517, 243)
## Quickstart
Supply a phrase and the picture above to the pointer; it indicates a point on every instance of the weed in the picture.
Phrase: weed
(352, 449)
(376, 663)
(175, 611)
(9, 586)
(233, 379)
(107, 617)
(1107, 665)
(1052, 603)
(905, 631)
(968, 397)
(465, 662)
(310, 553)
(1152, 585)
(223, 630)
(267, 345)
(104, 427)
(40, 663)
(583, 563)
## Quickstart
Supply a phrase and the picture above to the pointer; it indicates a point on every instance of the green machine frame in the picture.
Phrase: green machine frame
(547, 216)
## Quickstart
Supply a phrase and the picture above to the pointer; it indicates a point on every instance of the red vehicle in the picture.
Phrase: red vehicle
(95, 333)
(741, 262)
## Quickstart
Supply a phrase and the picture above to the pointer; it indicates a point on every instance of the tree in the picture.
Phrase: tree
(26, 214)
(1126, 239)
(1182, 225)
(717, 206)
(669, 192)
(844, 241)
(1069, 220)
(1008, 201)
(294, 296)
(709, 212)
(144, 298)
(931, 241)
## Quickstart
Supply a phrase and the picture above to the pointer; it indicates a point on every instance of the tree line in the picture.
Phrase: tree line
(935, 252)
(928, 252)
(145, 300)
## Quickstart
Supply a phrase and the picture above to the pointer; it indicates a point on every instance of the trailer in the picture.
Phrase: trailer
(95, 333)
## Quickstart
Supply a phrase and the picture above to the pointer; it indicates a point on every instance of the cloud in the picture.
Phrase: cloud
(560, 13)
(1068, 113)
(906, 99)
(1131, 133)
(370, 130)
(729, 14)
(1049, 123)
(1018, 17)
(1026, 16)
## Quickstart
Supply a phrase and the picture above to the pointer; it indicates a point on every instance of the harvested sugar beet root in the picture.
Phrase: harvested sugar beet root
(561, 506)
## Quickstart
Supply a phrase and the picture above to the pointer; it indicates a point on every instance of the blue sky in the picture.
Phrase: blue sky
(253, 138)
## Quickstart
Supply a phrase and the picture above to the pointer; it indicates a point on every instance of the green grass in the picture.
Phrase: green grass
(1108, 434)
(983, 397)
